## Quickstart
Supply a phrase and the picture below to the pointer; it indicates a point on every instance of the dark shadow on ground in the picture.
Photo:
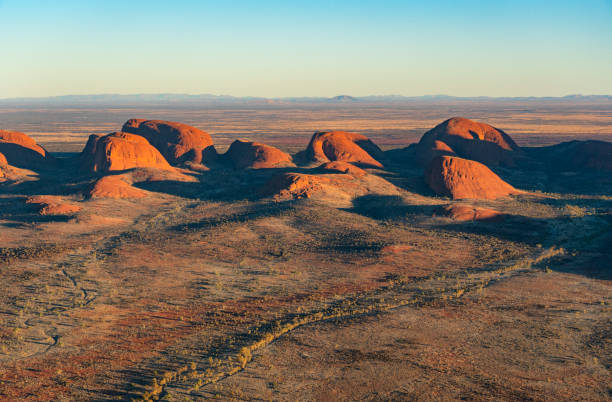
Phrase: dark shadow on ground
(222, 184)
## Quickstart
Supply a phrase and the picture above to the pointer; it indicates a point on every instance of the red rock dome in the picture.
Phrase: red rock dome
(253, 155)
(178, 142)
(468, 139)
(463, 178)
(346, 147)
(22, 151)
(113, 187)
(120, 151)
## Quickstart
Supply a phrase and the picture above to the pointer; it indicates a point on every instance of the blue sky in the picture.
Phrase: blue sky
(306, 48)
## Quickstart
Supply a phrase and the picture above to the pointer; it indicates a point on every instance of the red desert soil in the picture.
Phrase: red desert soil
(463, 178)
(462, 212)
(468, 139)
(343, 146)
(178, 142)
(342, 167)
(254, 155)
(113, 187)
(52, 205)
(120, 151)
(22, 151)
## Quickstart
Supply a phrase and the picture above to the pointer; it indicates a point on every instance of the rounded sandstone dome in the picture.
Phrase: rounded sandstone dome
(468, 139)
(253, 155)
(22, 151)
(342, 167)
(178, 142)
(113, 187)
(342, 146)
(120, 151)
(461, 178)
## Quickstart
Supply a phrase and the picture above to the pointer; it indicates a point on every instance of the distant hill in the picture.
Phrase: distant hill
(344, 98)
(208, 99)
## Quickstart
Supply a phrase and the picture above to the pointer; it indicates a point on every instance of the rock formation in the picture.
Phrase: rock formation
(52, 205)
(253, 155)
(113, 187)
(346, 147)
(463, 178)
(120, 151)
(468, 139)
(22, 151)
(178, 142)
(341, 167)
(580, 155)
(461, 212)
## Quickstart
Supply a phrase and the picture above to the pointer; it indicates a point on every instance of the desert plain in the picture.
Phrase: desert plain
(395, 255)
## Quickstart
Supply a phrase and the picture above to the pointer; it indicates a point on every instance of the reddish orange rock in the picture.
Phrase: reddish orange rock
(178, 142)
(342, 167)
(52, 205)
(468, 139)
(3, 164)
(113, 187)
(120, 151)
(253, 155)
(343, 146)
(469, 213)
(463, 178)
(294, 185)
(22, 151)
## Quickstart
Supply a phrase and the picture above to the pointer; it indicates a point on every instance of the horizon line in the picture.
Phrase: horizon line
(335, 97)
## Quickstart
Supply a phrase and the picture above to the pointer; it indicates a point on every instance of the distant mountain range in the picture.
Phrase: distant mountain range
(136, 99)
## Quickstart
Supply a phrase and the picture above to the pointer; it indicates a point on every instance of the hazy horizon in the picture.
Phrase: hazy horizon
(275, 49)
(297, 97)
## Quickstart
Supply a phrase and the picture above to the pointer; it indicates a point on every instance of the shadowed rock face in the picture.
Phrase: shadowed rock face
(22, 151)
(120, 151)
(253, 155)
(469, 213)
(580, 155)
(468, 139)
(343, 146)
(462, 178)
(178, 142)
(113, 187)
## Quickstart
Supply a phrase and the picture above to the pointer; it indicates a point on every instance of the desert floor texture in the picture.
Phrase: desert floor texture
(301, 278)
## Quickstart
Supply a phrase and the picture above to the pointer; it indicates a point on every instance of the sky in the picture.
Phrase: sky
(305, 48)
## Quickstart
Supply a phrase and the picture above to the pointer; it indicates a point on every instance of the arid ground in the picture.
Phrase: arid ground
(210, 286)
